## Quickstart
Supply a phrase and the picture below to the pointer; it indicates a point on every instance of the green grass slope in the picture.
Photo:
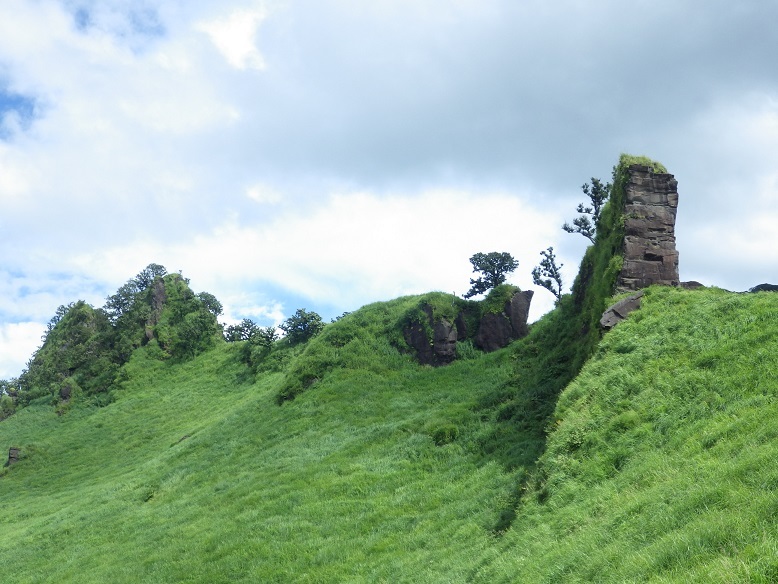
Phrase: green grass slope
(196, 474)
(658, 464)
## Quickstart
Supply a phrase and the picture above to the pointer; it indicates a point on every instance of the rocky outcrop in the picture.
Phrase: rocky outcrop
(619, 311)
(435, 339)
(497, 330)
(14, 454)
(650, 256)
(764, 288)
(442, 348)
(158, 300)
(494, 332)
(65, 392)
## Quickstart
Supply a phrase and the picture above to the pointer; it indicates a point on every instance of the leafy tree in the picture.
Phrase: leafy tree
(301, 326)
(61, 311)
(78, 347)
(258, 341)
(148, 274)
(211, 303)
(586, 223)
(547, 274)
(265, 336)
(122, 302)
(243, 331)
(119, 304)
(180, 322)
(494, 266)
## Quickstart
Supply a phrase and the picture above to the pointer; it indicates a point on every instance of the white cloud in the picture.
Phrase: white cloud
(264, 194)
(235, 38)
(355, 248)
(17, 343)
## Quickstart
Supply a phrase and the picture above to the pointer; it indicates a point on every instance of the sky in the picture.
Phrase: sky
(326, 154)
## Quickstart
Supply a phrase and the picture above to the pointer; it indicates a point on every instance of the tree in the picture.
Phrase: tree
(547, 274)
(265, 336)
(120, 303)
(243, 331)
(494, 266)
(301, 326)
(148, 274)
(211, 303)
(598, 194)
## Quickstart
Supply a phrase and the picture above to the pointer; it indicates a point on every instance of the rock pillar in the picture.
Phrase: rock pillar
(650, 208)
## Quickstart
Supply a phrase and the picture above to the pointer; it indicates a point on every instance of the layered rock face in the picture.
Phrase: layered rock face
(495, 330)
(650, 256)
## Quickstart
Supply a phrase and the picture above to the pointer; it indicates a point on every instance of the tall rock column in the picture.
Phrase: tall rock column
(650, 208)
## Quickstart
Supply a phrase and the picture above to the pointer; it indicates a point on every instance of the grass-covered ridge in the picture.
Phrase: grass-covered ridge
(658, 466)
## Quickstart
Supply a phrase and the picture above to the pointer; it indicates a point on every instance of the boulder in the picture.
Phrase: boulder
(619, 311)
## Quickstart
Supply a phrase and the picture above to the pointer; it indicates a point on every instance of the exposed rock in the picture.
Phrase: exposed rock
(13, 456)
(764, 288)
(518, 312)
(494, 332)
(691, 285)
(650, 209)
(497, 330)
(619, 311)
(444, 342)
(65, 392)
(442, 349)
(416, 336)
(158, 300)
(461, 323)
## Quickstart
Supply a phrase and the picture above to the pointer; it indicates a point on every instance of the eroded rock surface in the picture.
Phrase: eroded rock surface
(650, 256)
(497, 330)
(619, 311)
(435, 341)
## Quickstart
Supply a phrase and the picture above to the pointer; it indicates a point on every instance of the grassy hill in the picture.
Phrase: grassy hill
(154, 451)
(657, 466)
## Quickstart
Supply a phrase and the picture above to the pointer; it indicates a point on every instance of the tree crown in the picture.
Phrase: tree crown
(494, 266)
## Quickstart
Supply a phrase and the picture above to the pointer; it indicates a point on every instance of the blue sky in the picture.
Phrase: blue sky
(326, 154)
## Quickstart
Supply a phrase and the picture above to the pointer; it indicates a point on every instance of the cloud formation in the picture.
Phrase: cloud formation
(328, 154)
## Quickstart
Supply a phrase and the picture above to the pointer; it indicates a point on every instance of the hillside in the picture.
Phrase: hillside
(151, 450)
(658, 468)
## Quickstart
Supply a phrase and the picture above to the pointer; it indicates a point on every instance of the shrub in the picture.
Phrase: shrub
(302, 326)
